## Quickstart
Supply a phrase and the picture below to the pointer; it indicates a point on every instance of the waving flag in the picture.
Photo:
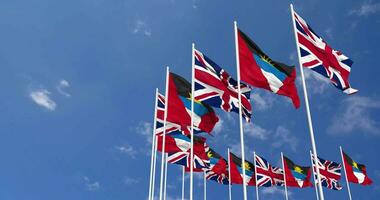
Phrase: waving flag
(215, 87)
(257, 69)
(236, 171)
(267, 175)
(179, 107)
(329, 172)
(355, 172)
(182, 157)
(170, 127)
(317, 55)
(295, 175)
(218, 169)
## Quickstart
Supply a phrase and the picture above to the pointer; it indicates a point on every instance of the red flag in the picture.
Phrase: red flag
(355, 172)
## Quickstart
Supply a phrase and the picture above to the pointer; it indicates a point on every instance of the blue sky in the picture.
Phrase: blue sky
(78, 80)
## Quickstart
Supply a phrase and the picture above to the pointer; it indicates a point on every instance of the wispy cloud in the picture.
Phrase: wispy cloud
(130, 180)
(63, 84)
(127, 149)
(141, 27)
(145, 129)
(316, 83)
(256, 131)
(91, 186)
(283, 137)
(355, 114)
(41, 97)
(218, 127)
(366, 8)
(272, 191)
(262, 100)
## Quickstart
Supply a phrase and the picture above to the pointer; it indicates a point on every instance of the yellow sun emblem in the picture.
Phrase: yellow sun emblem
(298, 169)
(247, 166)
(266, 59)
(209, 154)
(355, 164)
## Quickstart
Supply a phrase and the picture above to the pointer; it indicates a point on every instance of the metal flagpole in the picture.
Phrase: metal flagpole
(154, 167)
(204, 186)
(345, 173)
(283, 167)
(229, 176)
(312, 167)
(151, 189)
(183, 182)
(240, 111)
(166, 175)
(254, 164)
(314, 148)
(192, 122)
(164, 133)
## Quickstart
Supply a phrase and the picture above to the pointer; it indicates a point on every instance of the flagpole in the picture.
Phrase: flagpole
(312, 167)
(204, 186)
(283, 167)
(314, 148)
(164, 133)
(257, 186)
(154, 168)
(183, 182)
(345, 173)
(240, 111)
(151, 186)
(166, 175)
(192, 122)
(229, 175)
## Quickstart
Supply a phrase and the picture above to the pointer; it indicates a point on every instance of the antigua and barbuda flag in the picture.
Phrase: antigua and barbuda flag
(296, 175)
(355, 172)
(179, 107)
(218, 169)
(215, 87)
(236, 171)
(268, 175)
(259, 70)
(318, 56)
(330, 173)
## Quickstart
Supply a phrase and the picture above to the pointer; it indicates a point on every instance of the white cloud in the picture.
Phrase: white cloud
(141, 27)
(315, 82)
(274, 191)
(145, 129)
(367, 8)
(283, 137)
(91, 186)
(218, 127)
(130, 181)
(127, 149)
(355, 114)
(262, 100)
(255, 131)
(41, 97)
(61, 86)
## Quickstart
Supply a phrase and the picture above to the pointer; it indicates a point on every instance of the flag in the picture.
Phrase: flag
(218, 169)
(295, 175)
(215, 87)
(174, 142)
(317, 55)
(236, 171)
(329, 173)
(257, 69)
(355, 172)
(267, 175)
(183, 157)
(179, 107)
(170, 127)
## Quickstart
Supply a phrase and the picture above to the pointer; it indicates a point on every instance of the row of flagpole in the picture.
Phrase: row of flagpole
(163, 177)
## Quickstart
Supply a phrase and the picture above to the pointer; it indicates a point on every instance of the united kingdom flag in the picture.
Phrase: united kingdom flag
(317, 55)
(267, 175)
(215, 87)
(170, 127)
(330, 173)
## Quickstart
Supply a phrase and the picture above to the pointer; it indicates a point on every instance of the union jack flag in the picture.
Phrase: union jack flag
(183, 157)
(330, 173)
(215, 87)
(317, 55)
(218, 169)
(267, 175)
(170, 127)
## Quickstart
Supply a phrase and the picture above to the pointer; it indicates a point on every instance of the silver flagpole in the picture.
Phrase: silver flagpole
(229, 176)
(240, 111)
(254, 164)
(192, 122)
(312, 168)
(166, 175)
(164, 133)
(154, 167)
(204, 186)
(283, 168)
(345, 173)
(314, 147)
(183, 183)
(152, 174)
